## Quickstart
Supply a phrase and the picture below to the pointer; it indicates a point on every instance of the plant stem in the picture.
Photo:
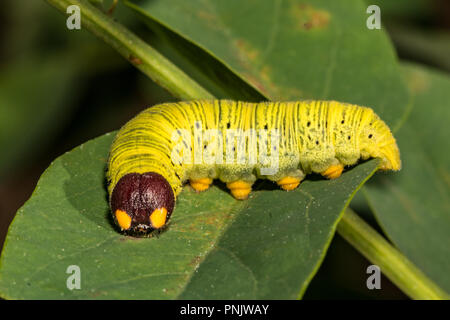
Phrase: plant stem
(392, 263)
(139, 53)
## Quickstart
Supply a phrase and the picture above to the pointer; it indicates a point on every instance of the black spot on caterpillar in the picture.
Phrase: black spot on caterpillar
(160, 149)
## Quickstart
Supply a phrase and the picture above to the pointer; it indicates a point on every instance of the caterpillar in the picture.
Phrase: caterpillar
(166, 145)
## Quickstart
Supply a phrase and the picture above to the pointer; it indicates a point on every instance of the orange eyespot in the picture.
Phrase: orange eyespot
(123, 219)
(158, 218)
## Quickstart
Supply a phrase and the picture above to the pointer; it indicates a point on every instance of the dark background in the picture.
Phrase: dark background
(59, 88)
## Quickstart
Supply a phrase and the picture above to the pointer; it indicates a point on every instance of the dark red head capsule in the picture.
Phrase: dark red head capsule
(142, 202)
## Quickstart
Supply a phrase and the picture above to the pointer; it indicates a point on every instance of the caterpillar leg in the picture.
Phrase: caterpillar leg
(289, 183)
(334, 171)
(240, 189)
(200, 184)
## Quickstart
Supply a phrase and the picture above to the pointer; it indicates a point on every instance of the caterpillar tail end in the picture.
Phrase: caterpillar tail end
(141, 203)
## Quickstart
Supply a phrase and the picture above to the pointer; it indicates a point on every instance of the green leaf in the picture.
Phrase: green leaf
(276, 243)
(201, 65)
(291, 50)
(413, 206)
(267, 247)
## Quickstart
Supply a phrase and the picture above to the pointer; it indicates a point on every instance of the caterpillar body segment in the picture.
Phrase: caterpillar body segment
(164, 146)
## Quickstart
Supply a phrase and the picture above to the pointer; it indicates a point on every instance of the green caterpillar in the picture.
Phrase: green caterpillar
(237, 142)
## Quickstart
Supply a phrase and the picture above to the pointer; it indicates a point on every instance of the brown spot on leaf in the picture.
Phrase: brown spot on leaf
(248, 58)
(194, 262)
(261, 75)
(307, 17)
(246, 51)
(256, 82)
(210, 19)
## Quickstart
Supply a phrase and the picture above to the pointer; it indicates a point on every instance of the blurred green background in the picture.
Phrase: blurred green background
(59, 88)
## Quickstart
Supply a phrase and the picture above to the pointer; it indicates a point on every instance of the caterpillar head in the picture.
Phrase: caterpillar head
(377, 141)
(141, 203)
